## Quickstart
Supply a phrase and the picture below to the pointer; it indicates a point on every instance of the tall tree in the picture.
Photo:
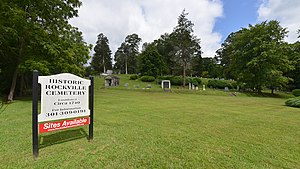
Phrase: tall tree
(258, 57)
(294, 57)
(102, 60)
(126, 55)
(223, 55)
(186, 44)
(150, 62)
(37, 35)
(165, 47)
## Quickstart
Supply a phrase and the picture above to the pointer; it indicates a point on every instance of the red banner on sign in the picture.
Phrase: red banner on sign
(59, 125)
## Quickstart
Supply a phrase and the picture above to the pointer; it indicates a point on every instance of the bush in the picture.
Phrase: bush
(296, 92)
(147, 79)
(194, 80)
(175, 80)
(133, 77)
(221, 84)
(293, 102)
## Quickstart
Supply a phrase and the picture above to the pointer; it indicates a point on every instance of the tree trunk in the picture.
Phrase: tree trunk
(272, 90)
(13, 85)
(126, 68)
(21, 86)
(15, 76)
(104, 71)
(184, 74)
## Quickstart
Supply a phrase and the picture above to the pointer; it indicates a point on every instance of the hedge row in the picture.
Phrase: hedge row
(293, 102)
(133, 77)
(221, 84)
(296, 92)
(147, 79)
(178, 80)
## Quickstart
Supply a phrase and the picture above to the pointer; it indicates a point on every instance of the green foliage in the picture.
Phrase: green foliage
(257, 56)
(37, 35)
(150, 62)
(102, 60)
(210, 68)
(186, 45)
(126, 55)
(194, 80)
(296, 92)
(293, 102)
(160, 130)
(133, 77)
(147, 79)
(221, 84)
(175, 80)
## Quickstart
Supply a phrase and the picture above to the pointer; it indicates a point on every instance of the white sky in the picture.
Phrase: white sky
(151, 18)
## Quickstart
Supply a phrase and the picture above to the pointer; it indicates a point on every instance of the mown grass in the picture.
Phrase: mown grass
(146, 129)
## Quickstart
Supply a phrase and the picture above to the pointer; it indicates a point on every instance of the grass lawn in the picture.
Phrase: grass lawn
(145, 129)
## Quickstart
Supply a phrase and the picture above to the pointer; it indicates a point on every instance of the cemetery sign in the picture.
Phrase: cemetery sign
(65, 97)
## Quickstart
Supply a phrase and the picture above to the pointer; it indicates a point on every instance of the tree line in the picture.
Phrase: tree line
(256, 57)
(37, 35)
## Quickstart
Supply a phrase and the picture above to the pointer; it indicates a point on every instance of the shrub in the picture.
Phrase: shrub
(293, 102)
(147, 79)
(175, 80)
(198, 80)
(221, 84)
(194, 80)
(296, 92)
(133, 77)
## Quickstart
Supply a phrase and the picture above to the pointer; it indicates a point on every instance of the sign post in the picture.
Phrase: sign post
(91, 106)
(63, 96)
(35, 134)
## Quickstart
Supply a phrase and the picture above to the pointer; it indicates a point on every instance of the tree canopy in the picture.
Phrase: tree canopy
(102, 60)
(256, 56)
(150, 62)
(186, 45)
(37, 35)
(126, 55)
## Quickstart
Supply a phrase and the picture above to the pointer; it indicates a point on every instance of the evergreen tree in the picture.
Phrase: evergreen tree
(102, 60)
(150, 62)
(186, 45)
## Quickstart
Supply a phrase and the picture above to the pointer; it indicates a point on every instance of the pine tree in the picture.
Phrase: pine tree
(102, 60)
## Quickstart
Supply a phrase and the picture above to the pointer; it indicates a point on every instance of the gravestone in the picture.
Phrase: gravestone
(126, 85)
(203, 87)
(226, 89)
(148, 86)
(166, 84)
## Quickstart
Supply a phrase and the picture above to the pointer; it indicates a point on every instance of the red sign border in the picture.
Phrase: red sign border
(60, 127)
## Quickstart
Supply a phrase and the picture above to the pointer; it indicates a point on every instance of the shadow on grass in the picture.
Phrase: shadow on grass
(274, 95)
(61, 137)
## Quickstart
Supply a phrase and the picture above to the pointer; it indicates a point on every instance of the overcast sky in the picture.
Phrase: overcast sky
(214, 19)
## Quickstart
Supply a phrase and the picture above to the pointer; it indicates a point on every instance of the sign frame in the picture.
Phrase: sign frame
(35, 114)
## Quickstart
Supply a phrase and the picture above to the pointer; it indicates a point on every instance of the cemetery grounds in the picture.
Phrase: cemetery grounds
(148, 128)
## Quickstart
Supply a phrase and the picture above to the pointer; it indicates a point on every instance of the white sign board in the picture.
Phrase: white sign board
(63, 96)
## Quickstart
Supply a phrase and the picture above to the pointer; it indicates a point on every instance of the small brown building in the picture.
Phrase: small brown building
(111, 80)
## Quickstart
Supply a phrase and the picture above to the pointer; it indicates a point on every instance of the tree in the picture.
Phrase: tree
(258, 58)
(186, 44)
(210, 68)
(223, 55)
(126, 55)
(37, 35)
(165, 47)
(150, 62)
(102, 57)
(294, 57)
